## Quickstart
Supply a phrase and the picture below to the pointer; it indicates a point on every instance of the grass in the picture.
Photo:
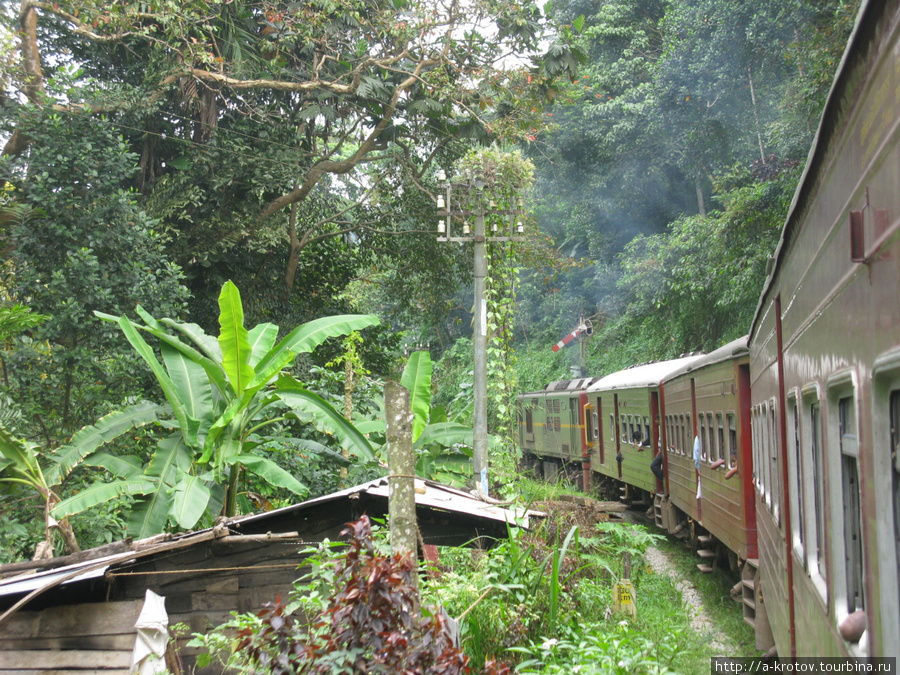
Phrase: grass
(662, 616)
(714, 590)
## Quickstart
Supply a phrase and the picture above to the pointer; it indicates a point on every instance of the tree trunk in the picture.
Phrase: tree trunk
(34, 76)
(762, 152)
(401, 472)
(294, 255)
(230, 507)
(701, 203)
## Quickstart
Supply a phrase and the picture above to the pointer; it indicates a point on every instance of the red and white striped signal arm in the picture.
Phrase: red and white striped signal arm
(570, 337)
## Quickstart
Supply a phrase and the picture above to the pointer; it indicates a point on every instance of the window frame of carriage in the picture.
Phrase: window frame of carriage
(796, 475)
(885, 381)
(814, 472)
(841, 387)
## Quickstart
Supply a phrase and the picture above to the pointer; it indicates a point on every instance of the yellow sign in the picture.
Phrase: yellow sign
(623, 599)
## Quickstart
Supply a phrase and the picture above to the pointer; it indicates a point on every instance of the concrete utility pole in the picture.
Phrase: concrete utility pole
(401, 472)
(468, 201)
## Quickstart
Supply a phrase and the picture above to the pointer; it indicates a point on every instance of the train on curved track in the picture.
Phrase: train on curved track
(778, 454)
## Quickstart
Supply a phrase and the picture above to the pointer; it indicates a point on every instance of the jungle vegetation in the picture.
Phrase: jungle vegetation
(161, 159)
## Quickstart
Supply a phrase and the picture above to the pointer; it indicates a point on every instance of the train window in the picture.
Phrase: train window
(704, 445)
(686, 435)
(775, 476)
(756, 445)
(732, 440)
(720, 437)
(853, 555)
(757, 452)
(624, 435)
(647, 437)
(818, 485)
(612, 427)
(596, 418)
(589, 432)
(796, 469)
(852, 513)
(895, 470)
(765, 455)
(529, 421)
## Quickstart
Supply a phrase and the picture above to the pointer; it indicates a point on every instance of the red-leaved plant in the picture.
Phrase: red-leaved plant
(372, 624)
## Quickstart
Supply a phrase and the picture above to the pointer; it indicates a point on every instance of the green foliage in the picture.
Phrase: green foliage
(699, 282)
(83, 244)
(677, 100)
(621, 650)
(222, 393)
(416, 380)
(535, 586)
(370, 621)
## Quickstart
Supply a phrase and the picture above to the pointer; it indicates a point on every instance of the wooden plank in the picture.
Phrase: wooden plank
(114, 642)
(71, 658)
(252, 599)
(110, 618)
(225, 586)
(203, 602)
(200, 622)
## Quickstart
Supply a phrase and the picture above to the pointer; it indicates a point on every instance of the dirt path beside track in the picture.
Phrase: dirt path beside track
(700, 622)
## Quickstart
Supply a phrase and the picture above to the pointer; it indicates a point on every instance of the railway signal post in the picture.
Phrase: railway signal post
(464, 208)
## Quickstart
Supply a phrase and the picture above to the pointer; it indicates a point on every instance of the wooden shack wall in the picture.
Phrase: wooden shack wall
(205, 583)
(79, 639)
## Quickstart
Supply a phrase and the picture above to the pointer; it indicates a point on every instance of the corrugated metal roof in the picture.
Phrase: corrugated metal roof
(648, 375)
(428, 494)
(42, 578)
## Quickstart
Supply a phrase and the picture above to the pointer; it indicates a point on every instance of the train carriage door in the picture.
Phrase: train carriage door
(575, 427)
(619, 432)
(587, 439)
(744, 459)
(655, 432)
(529, 421)
(598, 430)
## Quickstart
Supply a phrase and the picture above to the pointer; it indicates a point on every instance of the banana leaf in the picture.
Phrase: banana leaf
(417, 381)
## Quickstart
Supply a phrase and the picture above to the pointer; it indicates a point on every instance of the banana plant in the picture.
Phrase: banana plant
(443, 448)
(223, 393)
(19, 464)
